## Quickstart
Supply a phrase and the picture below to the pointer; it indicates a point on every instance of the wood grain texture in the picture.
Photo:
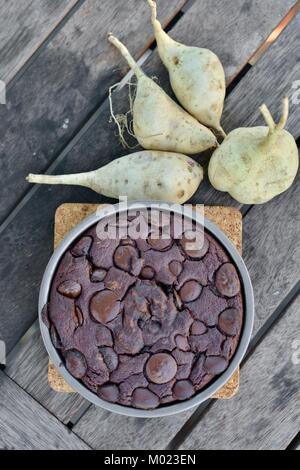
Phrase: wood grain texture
(25, 425)
(272, 263)
(39, 242)
(96, 147)
(266, 413)
(271, 231)
(272, 250)
(268, 81)
(27, 362)
(233, 29)
(67, 216)
(24, 26)
(66, 82)
(27, 365)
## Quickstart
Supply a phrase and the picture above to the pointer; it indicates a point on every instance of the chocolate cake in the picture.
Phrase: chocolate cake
(147, 321)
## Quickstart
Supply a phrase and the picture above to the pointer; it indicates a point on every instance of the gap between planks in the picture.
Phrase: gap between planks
(94, 114)
(278, 311)
(16, 70)
(265, 329)
(27, 394)
(295, 443)
(275, 34)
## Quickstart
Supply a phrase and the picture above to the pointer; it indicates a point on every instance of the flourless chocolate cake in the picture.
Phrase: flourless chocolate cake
(147, 321)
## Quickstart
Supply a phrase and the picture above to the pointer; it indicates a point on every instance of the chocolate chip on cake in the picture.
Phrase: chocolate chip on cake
(194, 247)
(69, 289)
(147, 273)
(147, 322)
(144, 399)
(190, 291)
(98, 275)
(175, 267)
(215, 364)
(183, 389)
(109, 392)
(198, 328)
(110, 357)
(229, 321)
(157, 242)
(161, 368)
(125, 256)
(227, 280)
(76, 363)
(82, 247)
(104, 306)
(182, 343)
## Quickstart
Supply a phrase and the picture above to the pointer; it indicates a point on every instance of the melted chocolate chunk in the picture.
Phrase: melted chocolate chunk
(127, 258)
(190, 291)
(161, 368)
(227, 280)
(215, 364)
(45, 316)
(82, 247)
(109, 392)
(148, 272)
(183, 389)
(182, 343)
(110, 358)
(145, 322)
(104, 306)
(144, 399)
(70, 289)
(230, 322)
(157, 242)
(175, 267)
(98, 275)
(198, 328)
(193, 247)
(76, 364)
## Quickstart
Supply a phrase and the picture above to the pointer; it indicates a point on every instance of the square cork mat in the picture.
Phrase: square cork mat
(67, 216)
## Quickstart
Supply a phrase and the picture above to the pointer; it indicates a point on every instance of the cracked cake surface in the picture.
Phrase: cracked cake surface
(148, 321)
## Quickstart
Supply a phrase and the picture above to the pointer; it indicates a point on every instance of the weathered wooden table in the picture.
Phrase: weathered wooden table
(58, 65)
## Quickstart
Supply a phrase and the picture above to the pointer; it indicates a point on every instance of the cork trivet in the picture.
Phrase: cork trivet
(67, 216)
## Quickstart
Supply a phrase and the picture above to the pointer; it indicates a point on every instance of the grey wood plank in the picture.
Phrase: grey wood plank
(265, 414)
(26, 425)
(233, 29)
(85, 33)
(273, 266)
(64, 84)
(27, 365)
(116, 432)
(24, 26)
(270, 80)
(96, 147)
(100, 135)
(39, 242)
(272, 250)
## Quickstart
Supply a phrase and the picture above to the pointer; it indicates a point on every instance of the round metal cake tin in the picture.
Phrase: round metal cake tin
(201, 396)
